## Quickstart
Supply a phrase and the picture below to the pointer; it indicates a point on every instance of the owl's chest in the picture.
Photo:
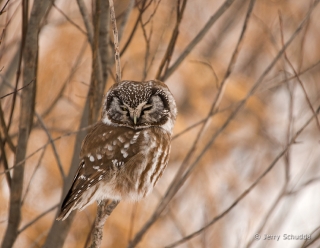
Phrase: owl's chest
(145, 167)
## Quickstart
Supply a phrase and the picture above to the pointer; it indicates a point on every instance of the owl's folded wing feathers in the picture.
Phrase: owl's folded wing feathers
(101, 157)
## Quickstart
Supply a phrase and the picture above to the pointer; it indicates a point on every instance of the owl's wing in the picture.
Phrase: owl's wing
(104, 151)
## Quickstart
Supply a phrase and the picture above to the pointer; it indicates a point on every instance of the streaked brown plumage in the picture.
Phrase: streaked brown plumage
(126, 152)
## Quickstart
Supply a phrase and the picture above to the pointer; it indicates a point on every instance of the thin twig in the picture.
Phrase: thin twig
(164, 65)
(267, 215)
(44, 146)
(7, 138)
(171, 191)
(304, 185)
(292, 77)
(73, 70)
(211, 68)
(115, 41)
(55, 152)
(69, 20)
(2, 10)
(37, 218)
(297, 76)
(246, 192)
(32, 176)
(5, 161)
(147, 41)
(308, 242)
(132, 219)
(15, 91)
(224, 7)
(86, 20)
(25, 6)
(152, 14)
(127, 43)
(125, 18)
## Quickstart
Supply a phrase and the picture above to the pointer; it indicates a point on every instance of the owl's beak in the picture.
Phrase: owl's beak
(135, 116)
(135, 113)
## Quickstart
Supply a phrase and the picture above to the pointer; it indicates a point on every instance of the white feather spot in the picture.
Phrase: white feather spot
(96, 167)
(99, 156)
(134, 138)
(83, 177)
(124, 153)
(91, 158)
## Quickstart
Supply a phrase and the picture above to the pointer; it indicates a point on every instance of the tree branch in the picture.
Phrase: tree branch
(177, 185)
(197, 39)
(115, 41)
(30, 58)
(246, 192)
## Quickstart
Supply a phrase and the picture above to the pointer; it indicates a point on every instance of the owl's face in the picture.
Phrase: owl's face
(140, 105)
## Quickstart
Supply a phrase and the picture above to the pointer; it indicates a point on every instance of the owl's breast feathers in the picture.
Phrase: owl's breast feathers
(117, 163)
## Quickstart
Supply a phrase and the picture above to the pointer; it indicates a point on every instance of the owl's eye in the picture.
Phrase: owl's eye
(147, 107)
(123, 108)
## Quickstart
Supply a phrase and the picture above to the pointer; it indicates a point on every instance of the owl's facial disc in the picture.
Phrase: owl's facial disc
(140, 105)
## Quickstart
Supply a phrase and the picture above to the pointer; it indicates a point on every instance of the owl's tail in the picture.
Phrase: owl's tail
(65, 212)
(69, 204)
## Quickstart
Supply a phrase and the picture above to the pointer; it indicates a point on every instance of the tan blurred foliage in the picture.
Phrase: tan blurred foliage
(239, 155)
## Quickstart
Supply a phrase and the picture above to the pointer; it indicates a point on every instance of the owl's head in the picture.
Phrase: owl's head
(140, 105)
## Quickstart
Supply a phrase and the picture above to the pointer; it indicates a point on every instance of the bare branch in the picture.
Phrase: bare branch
(104, 37)
(168, 55)
(106, 207)
(3, 8)
(247, 191)
(67, 80)
(38, 218)
(32, 176)
(5, 161)
(86, 20)
(104, 210)
(172, 190)
(198, 38)
(127, 43)
(125, 19)
(53, 146)
(7, 138)
(14, 92)
(115, 41)
(69, 20)
(30, 56)
(297, 76)
(307, 242)
(21, 163)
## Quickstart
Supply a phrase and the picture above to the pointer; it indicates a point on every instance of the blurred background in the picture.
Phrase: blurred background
(256, 98)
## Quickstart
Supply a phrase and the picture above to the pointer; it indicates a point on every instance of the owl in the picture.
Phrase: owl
(126, 152)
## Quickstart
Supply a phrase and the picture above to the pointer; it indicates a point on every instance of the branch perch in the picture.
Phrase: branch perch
(105, 207)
